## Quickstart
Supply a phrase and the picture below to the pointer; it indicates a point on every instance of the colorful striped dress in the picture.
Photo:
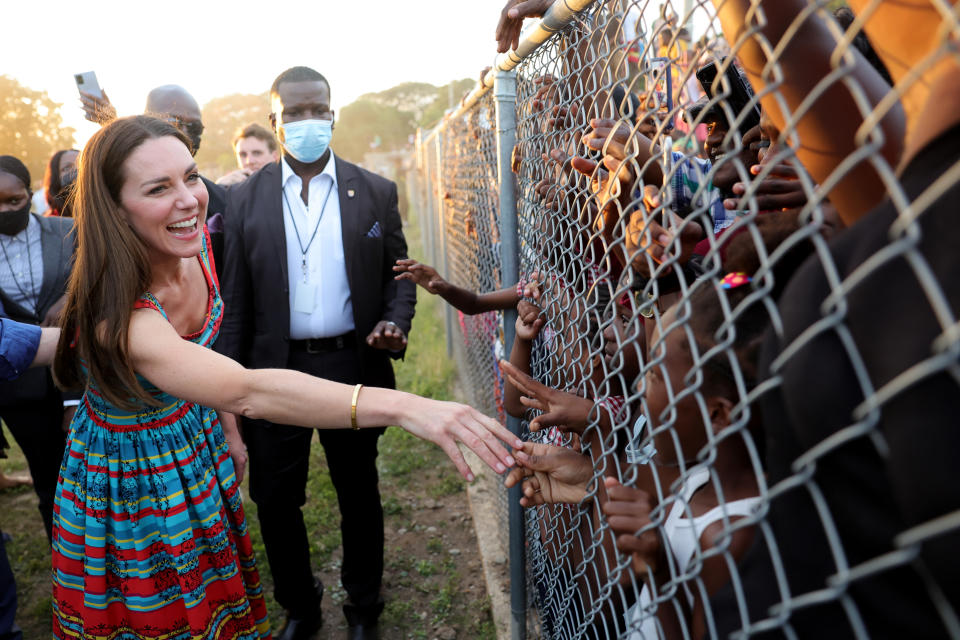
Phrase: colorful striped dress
(150, 540)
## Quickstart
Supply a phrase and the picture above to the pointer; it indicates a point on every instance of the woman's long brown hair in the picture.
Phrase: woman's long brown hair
(111, 269)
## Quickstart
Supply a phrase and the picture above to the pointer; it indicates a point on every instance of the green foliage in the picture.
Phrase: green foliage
(447, 484)
(366, 125)
(426, 103)
(392, 506)
(221, 119)
(382, 121)
(442, 604)
(31, 127)
(434, 112)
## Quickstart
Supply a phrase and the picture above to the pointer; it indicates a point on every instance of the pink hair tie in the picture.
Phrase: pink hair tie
(734, 280)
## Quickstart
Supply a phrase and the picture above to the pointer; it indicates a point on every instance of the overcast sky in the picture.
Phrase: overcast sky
(214, 48)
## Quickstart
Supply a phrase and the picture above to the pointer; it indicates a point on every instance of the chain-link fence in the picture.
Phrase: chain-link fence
(720, 236)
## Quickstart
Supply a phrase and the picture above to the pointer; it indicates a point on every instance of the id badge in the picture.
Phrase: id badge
(304, 297)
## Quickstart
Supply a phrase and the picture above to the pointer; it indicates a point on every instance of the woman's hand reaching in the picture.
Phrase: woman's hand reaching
(447, 423)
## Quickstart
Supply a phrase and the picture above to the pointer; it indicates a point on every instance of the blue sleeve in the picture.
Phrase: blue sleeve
(18, 347)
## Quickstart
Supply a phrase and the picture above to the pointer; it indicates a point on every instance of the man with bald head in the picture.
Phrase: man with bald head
(174, 104)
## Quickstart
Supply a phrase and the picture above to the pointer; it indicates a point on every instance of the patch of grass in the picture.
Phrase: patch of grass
(42, 607)
(398, 560)
(449, 566)
(482, 627)
(434, 545)
(443, 603)
(392, 506)
(398, 616)
(449, 484)
(426, 568)
(402, 454)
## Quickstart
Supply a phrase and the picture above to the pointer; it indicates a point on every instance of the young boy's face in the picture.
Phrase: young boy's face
(624, 343)
(670, 414)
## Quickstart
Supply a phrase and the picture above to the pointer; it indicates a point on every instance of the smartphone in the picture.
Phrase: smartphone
(736, 92)
(87, 81)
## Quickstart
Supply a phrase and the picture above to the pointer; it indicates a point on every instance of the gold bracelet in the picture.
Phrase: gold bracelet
(353, 407)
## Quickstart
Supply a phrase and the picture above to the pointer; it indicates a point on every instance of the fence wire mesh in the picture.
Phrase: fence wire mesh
(737, 352)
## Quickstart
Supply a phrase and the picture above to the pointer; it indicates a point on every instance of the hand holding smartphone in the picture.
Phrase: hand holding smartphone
(96, 104)
(87, 83)
(735, 90)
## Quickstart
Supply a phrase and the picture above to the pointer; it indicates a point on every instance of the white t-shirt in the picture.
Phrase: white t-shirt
(683, 537)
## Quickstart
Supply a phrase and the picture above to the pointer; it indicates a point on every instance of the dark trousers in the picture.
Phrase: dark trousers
(37, 426)
(279, 460)
(8, 598)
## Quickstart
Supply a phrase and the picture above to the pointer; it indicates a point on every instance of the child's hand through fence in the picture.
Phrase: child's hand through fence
(628, 511)
(566, 411)
(421, 274)
(550, 474)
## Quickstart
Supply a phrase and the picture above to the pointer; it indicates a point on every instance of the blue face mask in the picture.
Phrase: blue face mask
(306, 140)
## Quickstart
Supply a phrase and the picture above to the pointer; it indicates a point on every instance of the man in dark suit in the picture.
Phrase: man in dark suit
(310, 242)
(35, 259)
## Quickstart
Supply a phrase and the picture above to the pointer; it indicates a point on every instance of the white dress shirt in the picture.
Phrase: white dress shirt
(320, 299)
(21, 265)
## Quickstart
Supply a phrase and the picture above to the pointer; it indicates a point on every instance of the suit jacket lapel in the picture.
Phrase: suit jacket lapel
(51, 244)
(273, 205)
(11, 309)
(349, 217)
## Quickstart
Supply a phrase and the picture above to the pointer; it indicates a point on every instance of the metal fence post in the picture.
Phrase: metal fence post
(505, 93)
(441, 239)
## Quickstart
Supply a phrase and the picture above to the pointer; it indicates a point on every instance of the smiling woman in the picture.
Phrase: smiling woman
(150, 539)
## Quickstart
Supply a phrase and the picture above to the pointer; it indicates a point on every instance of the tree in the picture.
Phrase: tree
(31, 127)
(441, 101)
(364, 125)
(221, 119)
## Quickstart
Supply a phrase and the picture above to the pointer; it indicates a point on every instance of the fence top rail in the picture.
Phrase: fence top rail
(557, 17)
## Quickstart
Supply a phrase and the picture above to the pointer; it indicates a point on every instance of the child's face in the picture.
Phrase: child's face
(623, 343)
(664, 382)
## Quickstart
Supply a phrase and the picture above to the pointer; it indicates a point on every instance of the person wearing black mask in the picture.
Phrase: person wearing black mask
(61, 172)
(35, 257)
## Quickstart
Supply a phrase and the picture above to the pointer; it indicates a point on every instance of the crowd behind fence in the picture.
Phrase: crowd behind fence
(715, 244)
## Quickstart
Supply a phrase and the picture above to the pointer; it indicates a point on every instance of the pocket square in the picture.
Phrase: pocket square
(374, 231)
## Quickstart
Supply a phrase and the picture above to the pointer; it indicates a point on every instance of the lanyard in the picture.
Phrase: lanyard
(304, 250)
(28, 297)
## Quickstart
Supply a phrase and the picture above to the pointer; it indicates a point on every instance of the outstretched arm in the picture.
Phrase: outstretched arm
(49, 338)
(468, 302)
(25, 345)
(196, 374)
(828, 117)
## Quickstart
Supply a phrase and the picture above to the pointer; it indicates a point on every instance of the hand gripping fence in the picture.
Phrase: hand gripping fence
(730, 229)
